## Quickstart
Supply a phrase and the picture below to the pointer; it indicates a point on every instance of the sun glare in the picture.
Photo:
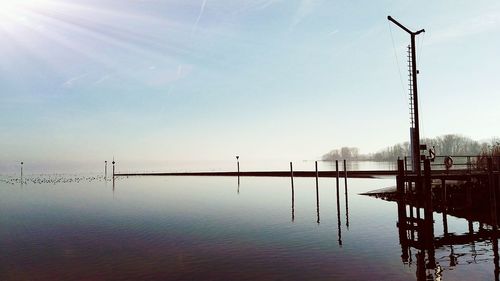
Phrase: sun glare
(16, 8)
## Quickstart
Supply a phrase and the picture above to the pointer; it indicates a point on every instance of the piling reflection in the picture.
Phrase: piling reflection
(317, 204)
(293, 202)
(338, 209)
(339, 223)
(419, 234)
(346, 200)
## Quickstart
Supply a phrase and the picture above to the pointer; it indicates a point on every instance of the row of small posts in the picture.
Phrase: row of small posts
(337, 170)
(317, 172)
(317, 196)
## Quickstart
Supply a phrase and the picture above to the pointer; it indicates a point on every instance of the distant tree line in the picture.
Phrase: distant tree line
(451, 144)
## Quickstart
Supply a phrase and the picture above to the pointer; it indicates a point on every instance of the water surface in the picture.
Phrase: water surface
(211, 228)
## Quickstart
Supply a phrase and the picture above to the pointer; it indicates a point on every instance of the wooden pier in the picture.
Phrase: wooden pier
(307, 174)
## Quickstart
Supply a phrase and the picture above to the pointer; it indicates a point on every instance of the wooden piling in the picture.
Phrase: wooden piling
(337, 171)
(317, 191)
(492, 189)
(346, 196)
(316, 168)
(427, 186)
(444, 194)
(345, 173)
(468, 197)
(400, 181)
(293, 192)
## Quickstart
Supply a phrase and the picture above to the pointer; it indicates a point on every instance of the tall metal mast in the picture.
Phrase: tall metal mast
(414, 131)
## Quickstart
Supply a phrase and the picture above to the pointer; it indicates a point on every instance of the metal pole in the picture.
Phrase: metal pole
(416, 131)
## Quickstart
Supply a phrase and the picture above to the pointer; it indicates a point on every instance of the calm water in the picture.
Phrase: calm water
(209, 228)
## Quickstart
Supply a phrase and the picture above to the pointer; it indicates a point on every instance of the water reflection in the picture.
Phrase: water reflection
(418, 233)
(293, 200)
(339, 224)
(238, 191)
(317, 201)
(346, 200)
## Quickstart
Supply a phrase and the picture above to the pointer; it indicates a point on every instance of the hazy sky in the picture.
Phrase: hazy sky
(152, 80)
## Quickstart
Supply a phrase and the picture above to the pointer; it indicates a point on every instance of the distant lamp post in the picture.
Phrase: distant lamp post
(105, 170)
(22, 170)
(238, 164)
(113, 167)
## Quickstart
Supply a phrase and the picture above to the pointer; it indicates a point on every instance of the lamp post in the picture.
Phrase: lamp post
(113, 167)
(105, 170)
(22, 170)
(238, 164)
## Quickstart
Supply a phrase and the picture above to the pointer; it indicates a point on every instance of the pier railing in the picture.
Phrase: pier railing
(459, 162)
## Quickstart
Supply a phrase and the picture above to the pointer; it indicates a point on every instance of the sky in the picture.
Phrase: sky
(153, 81)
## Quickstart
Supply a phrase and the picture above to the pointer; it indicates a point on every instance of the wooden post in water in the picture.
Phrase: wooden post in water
(22, 172)
(400, 181)
(316, 168)
(492, 189)
(346, 196)
(337, 171)
(339, 223)
(468, 198)
(113, 167)
(293, 192)
(444, 194)
(317, 191)
(345, 174)
(427, 186)
(105, 169)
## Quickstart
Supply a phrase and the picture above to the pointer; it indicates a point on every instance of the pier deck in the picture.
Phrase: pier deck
(308, 174)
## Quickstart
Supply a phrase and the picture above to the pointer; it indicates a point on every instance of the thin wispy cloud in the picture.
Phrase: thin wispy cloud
(467, 27)
(103, 78)
(305, 9)
(200, 14)
(70, 83)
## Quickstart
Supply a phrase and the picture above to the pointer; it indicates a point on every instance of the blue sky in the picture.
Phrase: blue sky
(152, 80)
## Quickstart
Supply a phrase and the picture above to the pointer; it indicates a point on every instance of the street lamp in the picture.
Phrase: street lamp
(238, 163)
